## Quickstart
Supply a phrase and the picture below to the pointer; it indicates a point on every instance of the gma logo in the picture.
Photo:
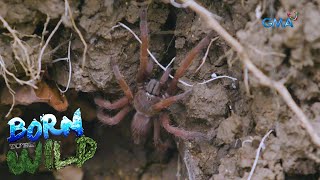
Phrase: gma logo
(273, 22)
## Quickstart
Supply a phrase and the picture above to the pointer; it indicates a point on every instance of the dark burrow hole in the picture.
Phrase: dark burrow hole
(116, 156)
(302, 177)
(167, 33)
(169, 26)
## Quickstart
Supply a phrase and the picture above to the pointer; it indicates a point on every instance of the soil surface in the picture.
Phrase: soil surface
(234, 120)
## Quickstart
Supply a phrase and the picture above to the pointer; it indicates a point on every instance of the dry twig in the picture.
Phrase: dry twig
(79, 33)
(4, 73)
(44, 48)
(206, 54)
(21, 54)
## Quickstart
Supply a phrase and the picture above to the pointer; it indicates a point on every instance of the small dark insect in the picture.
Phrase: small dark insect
(152, 98)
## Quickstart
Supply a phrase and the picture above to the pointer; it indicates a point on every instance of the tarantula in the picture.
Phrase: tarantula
(151, 98)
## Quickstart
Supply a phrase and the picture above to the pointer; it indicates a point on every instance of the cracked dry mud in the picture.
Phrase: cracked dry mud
(221, 108)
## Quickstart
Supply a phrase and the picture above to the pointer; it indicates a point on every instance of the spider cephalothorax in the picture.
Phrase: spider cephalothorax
(152, 97)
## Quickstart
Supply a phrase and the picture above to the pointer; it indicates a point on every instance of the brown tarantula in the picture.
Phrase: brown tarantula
(151, 98)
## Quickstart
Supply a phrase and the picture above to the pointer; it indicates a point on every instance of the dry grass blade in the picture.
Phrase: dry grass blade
(206, 55)
(258, 154)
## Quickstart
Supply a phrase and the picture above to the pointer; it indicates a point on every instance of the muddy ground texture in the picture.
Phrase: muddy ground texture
(234, 120)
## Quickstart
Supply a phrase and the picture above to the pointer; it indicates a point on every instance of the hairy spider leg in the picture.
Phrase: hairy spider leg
(158, 143)
(187, 61)
(149, 68)
(164, 103)
(124, 86)
(164, 77)
(178, 132)
(111, 106)
(142, 72)
(115, 119)
(120, 103)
